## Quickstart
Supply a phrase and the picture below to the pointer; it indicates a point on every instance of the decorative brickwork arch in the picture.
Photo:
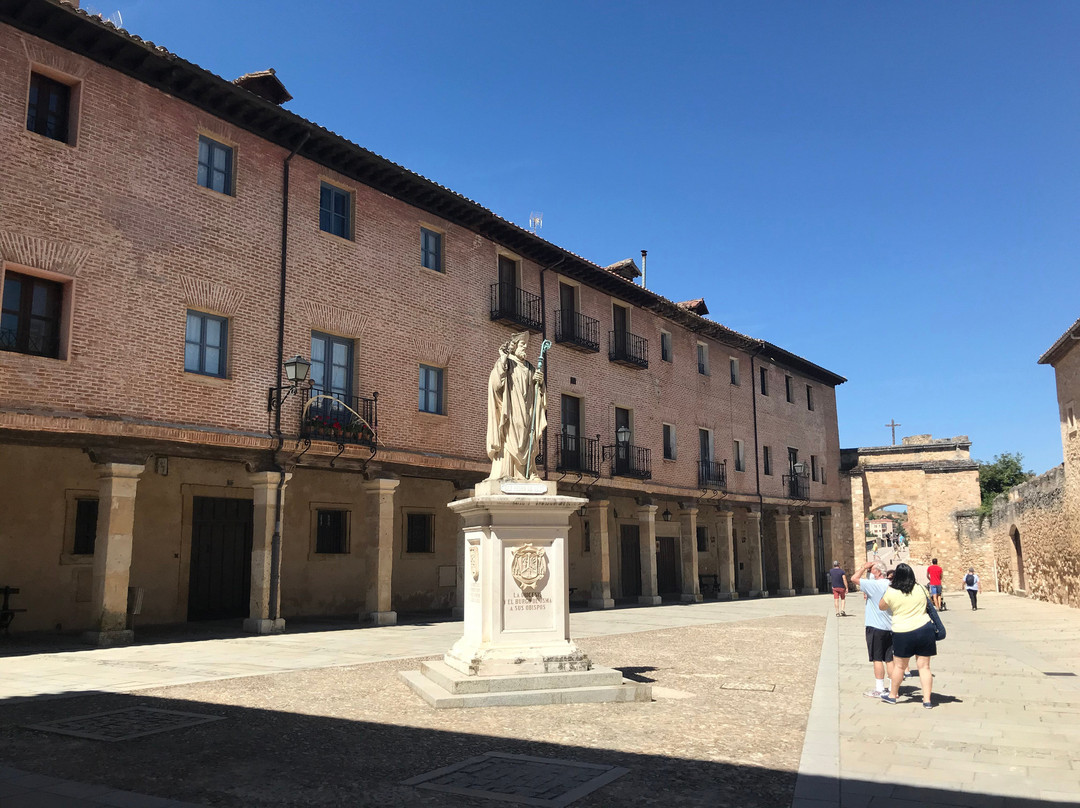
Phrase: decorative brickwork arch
(936, 479)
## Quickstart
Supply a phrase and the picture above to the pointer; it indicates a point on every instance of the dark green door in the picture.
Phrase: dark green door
(220, 581)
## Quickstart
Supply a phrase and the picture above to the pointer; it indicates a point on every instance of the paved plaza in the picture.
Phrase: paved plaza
(756, 703)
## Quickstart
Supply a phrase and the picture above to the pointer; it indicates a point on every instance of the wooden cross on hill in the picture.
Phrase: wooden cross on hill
(894, 425)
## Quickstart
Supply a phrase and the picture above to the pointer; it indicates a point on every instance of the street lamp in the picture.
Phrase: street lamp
(666, 515)
(296, 372)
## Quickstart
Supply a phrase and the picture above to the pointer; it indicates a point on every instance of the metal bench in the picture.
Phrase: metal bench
(709, 584)
(7, 612)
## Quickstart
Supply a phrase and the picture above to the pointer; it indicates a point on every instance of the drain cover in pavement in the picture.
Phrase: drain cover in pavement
(120, 725)
(519, 778)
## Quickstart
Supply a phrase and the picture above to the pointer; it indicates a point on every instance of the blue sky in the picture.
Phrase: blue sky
(891, 190)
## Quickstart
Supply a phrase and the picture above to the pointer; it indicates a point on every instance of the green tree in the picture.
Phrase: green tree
(1007, 471)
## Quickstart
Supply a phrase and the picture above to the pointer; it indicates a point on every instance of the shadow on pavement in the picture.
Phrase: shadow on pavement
(259, 758)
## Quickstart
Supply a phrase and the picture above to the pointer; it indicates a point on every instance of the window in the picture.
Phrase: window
(766, 460)
(431, 249)
(86, 516)
(331, 367)
(764, 381)
(215, 165)
(49, 108)
(335, 211)
(431, 390)
(30, 313)
(734, 365)
(331, 531)
(1070, 417)
(740, 458)
(703, 359)
(420, 533)
(809, 397)
(665, 346)
(702, 539)
(705, 445)
(788, 389)
(813, 468)
(669, 442)
(205, 344)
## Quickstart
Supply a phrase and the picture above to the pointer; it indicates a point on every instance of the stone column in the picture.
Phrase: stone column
(650, 595)
(112, 552)
(725, 557)
(753, 554)
(806, 535)
(691, 589)
(262, 617)
(380, 550)
(783, 551)
(462, 562)
(827, 542)
(600, 549)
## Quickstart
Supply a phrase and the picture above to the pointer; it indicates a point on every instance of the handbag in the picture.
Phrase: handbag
(939, 627)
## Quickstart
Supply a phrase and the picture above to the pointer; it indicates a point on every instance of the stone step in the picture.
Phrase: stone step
(440, 698)
(458, 683)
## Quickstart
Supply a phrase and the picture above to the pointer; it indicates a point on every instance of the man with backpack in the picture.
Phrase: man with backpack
(971, 584)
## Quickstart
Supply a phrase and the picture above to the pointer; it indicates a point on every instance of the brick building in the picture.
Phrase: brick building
(168, 238)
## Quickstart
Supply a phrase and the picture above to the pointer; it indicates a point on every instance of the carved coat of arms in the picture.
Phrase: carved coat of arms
(474, 561)
(529, 567)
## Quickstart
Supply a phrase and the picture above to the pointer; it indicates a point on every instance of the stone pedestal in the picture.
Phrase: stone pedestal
(516, 646)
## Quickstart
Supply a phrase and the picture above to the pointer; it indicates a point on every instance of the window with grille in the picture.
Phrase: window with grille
(86, 516)
(331, 531)
(420, 533)
(30, 312)
(49, 108)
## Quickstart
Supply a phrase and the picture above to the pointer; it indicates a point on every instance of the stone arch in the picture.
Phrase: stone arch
(1017, 557)
(936, 479)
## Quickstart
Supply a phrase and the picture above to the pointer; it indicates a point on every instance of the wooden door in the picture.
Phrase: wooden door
(630, 560)
(220, 580)
(667, 565)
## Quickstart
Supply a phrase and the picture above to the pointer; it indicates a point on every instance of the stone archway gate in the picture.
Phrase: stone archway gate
(936, 479)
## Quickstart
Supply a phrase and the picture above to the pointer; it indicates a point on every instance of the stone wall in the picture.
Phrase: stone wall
(1032, 536)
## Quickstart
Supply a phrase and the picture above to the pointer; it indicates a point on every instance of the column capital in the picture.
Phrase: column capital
(380, 485)
(267, 479)
(597, 504)
(754, 515)
(781, 510)
(691, 511)
(806, 518)
(647, 513)
(726, 514)
(127, 470)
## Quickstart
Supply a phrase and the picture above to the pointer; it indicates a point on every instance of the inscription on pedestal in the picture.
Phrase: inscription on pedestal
(523, 488)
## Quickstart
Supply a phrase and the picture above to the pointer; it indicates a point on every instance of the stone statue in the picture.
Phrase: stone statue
(516, 396)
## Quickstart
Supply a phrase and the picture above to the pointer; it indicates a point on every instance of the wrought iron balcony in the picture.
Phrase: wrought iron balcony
(509, 304)
(577, 330)
(628, 460)
(339, 419)
(578, 454)
(796, 486)
(628, 349)
(712, 474)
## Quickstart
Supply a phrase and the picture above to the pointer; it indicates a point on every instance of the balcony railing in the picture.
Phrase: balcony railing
(796, 486)
(577, 330)
(339, 419)
(628, 349)
(629, 461)
(513, 305)
(712, 474)
(578, 454)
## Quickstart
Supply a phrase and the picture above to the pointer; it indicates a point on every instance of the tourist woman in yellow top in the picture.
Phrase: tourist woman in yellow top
(913, 632)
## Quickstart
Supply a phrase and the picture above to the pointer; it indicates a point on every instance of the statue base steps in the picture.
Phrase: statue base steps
(444, 687)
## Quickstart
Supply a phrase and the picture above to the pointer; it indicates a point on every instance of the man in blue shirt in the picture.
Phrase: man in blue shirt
(878, 624)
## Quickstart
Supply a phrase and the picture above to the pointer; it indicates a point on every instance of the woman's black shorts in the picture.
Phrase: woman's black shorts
(879, 644)
(920, 642)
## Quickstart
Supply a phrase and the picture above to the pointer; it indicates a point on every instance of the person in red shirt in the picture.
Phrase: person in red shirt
(934, 573)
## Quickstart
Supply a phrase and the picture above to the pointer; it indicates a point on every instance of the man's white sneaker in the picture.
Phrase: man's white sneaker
(875, 694)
